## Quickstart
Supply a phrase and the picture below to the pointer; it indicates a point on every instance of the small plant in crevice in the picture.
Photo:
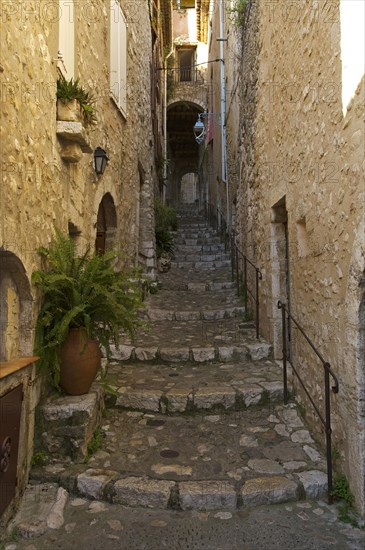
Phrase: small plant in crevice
(237, 12)
(94, 444)
(39, 458)
(341, 492)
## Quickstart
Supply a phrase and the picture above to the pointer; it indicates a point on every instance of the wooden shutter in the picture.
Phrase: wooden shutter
(118, 56)
(66, 38)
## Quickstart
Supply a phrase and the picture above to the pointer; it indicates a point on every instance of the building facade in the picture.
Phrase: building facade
(298, 196)
(48, 178)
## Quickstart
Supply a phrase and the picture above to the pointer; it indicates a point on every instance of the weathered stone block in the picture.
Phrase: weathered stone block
(148, 493)
(143, 399)
(206, 398)
(314, 483)
(175, 355)
(201, 355)
(207, 495)
(92, 483)
(268, 490)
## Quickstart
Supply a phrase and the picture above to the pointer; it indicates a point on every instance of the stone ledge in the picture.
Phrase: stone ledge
(74, 132)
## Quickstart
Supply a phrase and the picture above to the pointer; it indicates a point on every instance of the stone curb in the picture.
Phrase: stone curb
(156, 314)
(188, 399)
(224, 352)
(145, 492)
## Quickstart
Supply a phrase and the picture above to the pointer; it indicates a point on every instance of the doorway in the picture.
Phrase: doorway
(280, 269)
(106, 225)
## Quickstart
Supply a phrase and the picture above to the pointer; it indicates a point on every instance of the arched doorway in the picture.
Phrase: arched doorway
(15, 308)
(183, 151)
(106, 225)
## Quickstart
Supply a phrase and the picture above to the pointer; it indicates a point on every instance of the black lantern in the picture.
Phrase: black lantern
(100, 160)
(199, 130)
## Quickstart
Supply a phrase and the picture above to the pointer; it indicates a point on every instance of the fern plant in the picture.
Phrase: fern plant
(82, 291)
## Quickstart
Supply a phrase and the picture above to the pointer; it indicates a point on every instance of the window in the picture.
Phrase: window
(118, 56)
(186, 58)
(66, 39)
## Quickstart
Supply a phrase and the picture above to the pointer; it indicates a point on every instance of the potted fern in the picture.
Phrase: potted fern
(85, 305)
(74, 103)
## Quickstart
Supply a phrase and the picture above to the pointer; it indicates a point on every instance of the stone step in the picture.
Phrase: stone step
(155, 314)
(191, 279)
(198, 248)
(200, 462)
(201, 265)
(203, 257)
(193, 305)
(66, 423)
(169, 389)
(221, 340)
(206, 234)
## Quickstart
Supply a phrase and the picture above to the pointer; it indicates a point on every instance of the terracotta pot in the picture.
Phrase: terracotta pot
(80, 361)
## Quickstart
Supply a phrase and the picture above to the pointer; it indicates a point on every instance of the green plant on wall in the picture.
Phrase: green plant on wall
(165, 222)
(237, 12)
(68, 90)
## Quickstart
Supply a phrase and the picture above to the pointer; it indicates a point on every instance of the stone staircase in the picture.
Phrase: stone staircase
(197, 420)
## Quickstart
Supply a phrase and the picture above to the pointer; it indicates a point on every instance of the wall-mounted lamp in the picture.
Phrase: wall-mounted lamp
(199, 130)
(100, 161)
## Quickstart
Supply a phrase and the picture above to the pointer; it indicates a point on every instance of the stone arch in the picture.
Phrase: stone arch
(16, 326)
(200, 104)
(106, 224)
(183, 151)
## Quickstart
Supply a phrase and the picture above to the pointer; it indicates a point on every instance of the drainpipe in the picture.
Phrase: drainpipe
(165, 124)
(221, 40)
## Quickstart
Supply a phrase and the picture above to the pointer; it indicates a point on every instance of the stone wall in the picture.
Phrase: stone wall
(39, 190)
(301, 194)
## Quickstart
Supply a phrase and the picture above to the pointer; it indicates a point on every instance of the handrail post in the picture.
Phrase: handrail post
(245, 282)
(237, 272)
(285, 373)
(257, 306)
(328, 431)
(233, 252)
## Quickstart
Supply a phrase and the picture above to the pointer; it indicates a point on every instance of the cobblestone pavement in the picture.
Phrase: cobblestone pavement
(95, 525)
(197, 449)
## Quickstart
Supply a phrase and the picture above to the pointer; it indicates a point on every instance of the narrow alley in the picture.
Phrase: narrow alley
(182, 275)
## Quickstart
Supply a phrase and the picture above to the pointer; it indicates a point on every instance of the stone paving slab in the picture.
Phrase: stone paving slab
(187, 387)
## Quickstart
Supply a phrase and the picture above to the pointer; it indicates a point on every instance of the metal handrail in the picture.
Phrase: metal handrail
(217, 220)
(326, 420)
(237, 255)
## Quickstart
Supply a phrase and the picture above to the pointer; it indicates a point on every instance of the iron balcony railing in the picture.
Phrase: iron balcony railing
(327, 371)
(189, 75)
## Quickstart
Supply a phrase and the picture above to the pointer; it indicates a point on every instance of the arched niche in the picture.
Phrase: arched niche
(106, 225)
(16, 330)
